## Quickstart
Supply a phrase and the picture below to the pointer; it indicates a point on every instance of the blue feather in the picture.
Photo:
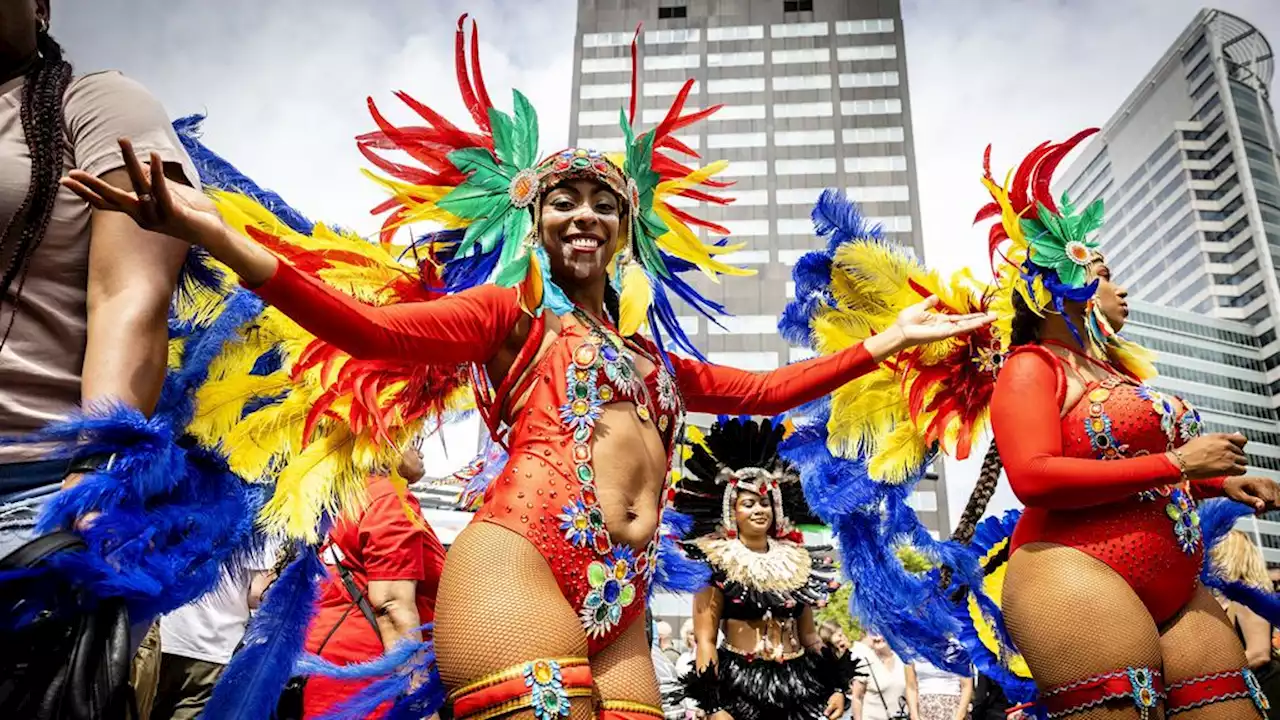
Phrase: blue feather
(250, 686)
(838, 219)
(675, 572)
(553, 298)
(1217, 518)
(394, 671)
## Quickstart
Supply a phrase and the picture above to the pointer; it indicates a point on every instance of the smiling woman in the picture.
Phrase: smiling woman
(537, 603)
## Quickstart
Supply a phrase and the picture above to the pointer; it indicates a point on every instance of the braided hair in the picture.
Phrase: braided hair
(1026, 330)
(42, 124)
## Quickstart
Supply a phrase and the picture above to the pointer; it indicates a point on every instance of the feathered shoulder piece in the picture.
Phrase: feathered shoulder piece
(484, 187)
(931, 396)
(286, 408)
(784, 578)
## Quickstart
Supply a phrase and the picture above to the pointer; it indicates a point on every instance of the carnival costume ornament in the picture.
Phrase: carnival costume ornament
(766, 681)
(864, 448)
(483, 187)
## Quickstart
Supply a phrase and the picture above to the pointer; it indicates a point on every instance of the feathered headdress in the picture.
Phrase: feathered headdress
(738, 454)
(484, 188)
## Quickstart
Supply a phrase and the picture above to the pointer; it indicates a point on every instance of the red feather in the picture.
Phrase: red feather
(987, 211)
(464, 82)
(477, 76)
(665, 127)
(635, 57)
(1043, 176)
(455, 136)
(1022, 178)
(693, 220)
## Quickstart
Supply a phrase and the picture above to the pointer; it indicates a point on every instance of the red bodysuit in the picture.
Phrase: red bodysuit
(546, 492)
(1096, 477)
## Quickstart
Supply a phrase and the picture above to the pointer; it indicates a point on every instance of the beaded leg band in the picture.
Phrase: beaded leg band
(627, 710)
(1141, 686)
(1215, 688)
(545, 686)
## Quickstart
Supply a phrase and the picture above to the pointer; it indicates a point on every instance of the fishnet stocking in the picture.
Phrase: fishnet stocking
(499, 606)
(1072, 617)
(1198, 641)
(624, 669)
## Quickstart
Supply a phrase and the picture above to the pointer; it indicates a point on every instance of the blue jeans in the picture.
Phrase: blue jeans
(24, 489)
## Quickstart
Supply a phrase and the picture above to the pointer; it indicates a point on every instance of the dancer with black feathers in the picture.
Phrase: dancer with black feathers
(765, 584)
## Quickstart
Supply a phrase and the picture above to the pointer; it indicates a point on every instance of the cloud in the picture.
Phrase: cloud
(285, 82)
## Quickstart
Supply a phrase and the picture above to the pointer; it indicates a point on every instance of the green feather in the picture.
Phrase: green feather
(513, 263)
(1066, 207)
(480, 168)
(525, 133)
(1091, 219)
(486, 231)
(470, 201)
(503, 136)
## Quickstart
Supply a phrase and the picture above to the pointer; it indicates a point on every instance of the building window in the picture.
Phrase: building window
(742, 32)
(599, 65)
(667, 62)
(900, 223)
(792, 30)
(609, 144)
(789, 138)
(800, 82)
(593, 92)
(671, 13)
(744, 325)
(869, 79)
(867, 52)
(818, 166)
(736, 112)
(885, 193)
(745, 360)
(864, 27)
(797, 6)
(871, 135)
(606, 39)
(796, 354)
(660, 89)
(668, 37)
(735, 59)
(747, 168)
(748, 198)
(746, 228)
(601, 117)
(736, 85)
(796, 110)
(793, 226)
(737, 140)
(804, 55)
(888, 106)
(894, 163)
(745, 257)
(798, 196)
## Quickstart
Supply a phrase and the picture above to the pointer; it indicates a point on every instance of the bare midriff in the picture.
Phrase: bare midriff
(768, 638)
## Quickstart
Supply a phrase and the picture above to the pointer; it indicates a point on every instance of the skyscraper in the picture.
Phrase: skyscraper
(1187, 168)
(815, 96)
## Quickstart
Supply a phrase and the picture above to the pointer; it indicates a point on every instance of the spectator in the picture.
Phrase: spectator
(684, 663)
(199, 638)
(943, 696)
(889, 691)
(394, 561)
(989, 702)
(1241, 561)
(666, 643)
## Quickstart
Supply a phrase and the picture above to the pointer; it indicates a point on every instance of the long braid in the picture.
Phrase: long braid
(1026, 329)
(42, 124)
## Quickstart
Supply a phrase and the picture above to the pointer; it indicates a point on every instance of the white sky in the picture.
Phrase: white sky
(284, 84)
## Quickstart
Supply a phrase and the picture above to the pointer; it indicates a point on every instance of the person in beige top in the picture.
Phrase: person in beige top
(84, 295)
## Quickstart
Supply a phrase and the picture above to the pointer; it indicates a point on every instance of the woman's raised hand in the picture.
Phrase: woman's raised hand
(920, 324)
(155, 203)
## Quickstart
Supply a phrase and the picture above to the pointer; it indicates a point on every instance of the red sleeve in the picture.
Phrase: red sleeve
(1028, 430)
(1209, 488)
(391, 543)
(464, 328)
(722, 390)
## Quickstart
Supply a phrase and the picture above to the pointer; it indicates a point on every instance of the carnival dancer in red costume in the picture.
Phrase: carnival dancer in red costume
(536, 609)
(1099, 586)
(1110, 471)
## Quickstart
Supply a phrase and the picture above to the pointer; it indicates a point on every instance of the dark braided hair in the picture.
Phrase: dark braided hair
(42, 124)
(1025, 330)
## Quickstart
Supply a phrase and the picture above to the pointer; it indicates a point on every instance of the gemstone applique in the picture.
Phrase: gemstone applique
(547, 695)
(612, 591)
(1186, 520)
(1144, 692)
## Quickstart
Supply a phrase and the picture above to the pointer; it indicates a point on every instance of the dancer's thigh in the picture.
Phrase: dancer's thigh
(624, 669)
(1200, 641)
(1072, 617)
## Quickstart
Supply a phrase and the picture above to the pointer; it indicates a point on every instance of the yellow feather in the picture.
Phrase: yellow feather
(634, 300)
(321, 480)
(900, 453)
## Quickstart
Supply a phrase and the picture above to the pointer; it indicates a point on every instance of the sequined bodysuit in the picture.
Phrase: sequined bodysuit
(550, 401)
(1097, 478)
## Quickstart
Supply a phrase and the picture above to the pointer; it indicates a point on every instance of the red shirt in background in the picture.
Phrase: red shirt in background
(383, 543)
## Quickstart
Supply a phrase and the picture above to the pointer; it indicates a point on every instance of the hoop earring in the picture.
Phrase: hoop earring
(42, 25)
